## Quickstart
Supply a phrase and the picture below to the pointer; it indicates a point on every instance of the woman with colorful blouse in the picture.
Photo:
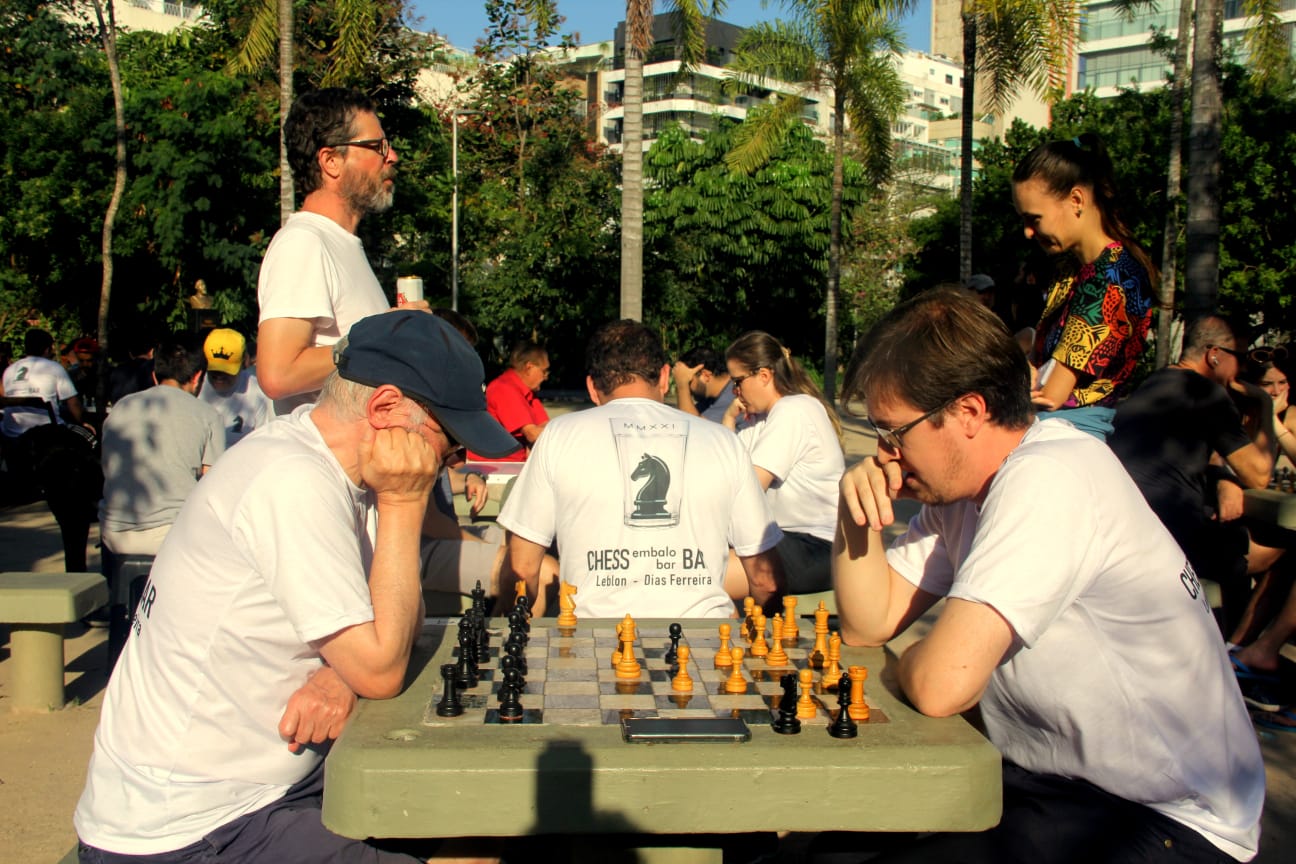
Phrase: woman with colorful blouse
(1099, 308)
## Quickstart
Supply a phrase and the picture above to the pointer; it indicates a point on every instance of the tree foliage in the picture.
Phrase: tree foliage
(730, 252)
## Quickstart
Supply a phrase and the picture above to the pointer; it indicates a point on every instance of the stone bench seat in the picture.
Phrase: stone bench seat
(37, 607)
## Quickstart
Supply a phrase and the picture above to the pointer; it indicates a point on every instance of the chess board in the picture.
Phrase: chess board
(570, 681)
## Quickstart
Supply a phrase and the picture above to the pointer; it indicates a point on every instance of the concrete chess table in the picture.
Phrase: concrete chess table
(400, 771)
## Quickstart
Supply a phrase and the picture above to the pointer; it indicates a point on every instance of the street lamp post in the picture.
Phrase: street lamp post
(454, 204)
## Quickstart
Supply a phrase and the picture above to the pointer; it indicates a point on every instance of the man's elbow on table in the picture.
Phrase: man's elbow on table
(369, 668)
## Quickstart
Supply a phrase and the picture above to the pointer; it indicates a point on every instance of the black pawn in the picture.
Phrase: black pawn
(506, 663)
(467, 668)
(510, 709)
(514, 650)
(672, 653)
(843, 726)
(787, 723)
(450, 706)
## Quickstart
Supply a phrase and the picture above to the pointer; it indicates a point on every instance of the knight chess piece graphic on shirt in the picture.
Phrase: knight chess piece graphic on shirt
(651, 460)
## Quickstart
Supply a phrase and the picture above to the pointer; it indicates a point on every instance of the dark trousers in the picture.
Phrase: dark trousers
(1056, 820)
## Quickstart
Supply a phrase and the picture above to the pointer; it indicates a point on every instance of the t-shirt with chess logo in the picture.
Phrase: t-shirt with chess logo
(38, 377)
(1118, 674)
(645, 502)
(316, 270)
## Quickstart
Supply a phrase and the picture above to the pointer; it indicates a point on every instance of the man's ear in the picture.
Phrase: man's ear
(664, 380)
(971, 412)
(595, 396)
(196, 382)
(382, 406)
(330, 162)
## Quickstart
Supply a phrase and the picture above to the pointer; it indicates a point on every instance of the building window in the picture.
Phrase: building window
(949, 79)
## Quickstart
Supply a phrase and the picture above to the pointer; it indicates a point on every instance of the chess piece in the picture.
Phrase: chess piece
(790, 631)
(748, 604)
(786, 723)
(777, 656)
(676, 633)
(759, 648)
(616, 652)
(478, 594)
(819, 653)
(832, 669)
(735, 683)
(519, 592)
(859, 709)
(806, 709)
(723, 657)
(566, 605)
(450, 706)
(682, 681)
(514, 650)
(466, 670)
(627, 666)
(510, 709)
(843, 726)
(506, 663)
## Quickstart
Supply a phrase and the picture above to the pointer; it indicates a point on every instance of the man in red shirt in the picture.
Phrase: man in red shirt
(511, 398)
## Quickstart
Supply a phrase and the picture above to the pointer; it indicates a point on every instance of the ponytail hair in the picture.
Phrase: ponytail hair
(1083, 161)
(759, 350)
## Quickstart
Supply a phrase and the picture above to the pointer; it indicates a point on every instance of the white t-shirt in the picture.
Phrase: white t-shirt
(1118, 674)
(316, 269)
(795, 441)
(268, 556)
(645, 501)
(242, 410)
(40, 377)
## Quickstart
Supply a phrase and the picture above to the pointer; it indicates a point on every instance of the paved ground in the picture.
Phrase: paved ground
(43, 757)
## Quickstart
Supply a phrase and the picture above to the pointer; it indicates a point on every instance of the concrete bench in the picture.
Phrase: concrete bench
(37, 606)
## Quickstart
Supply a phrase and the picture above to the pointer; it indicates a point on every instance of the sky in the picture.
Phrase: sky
(462, 21)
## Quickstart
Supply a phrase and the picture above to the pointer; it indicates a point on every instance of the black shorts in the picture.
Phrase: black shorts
(807, 562)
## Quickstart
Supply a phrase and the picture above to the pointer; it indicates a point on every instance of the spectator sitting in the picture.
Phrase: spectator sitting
(288, 586)
(511, 398)
(231, 386)
(1165, 433)
(640, 496)
(794, 441)
(702, 384)
(1267, 370)
(157, 444)
(1070, 618)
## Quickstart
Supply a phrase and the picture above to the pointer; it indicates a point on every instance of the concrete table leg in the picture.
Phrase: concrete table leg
(36, 652)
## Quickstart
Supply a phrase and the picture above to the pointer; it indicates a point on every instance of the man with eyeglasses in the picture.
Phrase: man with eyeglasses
(288, 585)
(1071, 618)
(315, 279)
(1165, 434)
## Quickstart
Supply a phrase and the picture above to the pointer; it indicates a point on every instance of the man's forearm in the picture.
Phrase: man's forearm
(395, 592)
(762, 578)
(288, 375)
(862, 583)
(526, 558)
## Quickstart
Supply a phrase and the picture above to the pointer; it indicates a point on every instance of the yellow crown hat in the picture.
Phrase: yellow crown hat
(224, 350)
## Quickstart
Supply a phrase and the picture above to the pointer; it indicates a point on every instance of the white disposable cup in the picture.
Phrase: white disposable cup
(409, 289)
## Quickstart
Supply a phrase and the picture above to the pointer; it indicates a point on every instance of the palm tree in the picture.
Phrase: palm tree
(847, 48)
(1013, 43)
(690, 23)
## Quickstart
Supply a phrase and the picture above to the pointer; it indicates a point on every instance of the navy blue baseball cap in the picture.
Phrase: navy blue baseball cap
(432, 364)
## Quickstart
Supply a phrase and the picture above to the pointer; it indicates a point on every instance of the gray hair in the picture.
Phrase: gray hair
(346, 400)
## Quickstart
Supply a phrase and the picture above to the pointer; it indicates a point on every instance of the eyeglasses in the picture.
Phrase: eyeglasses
(381, 146)
(892, 438)
(737, 380)
(1265, 354)
(1238, 355)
